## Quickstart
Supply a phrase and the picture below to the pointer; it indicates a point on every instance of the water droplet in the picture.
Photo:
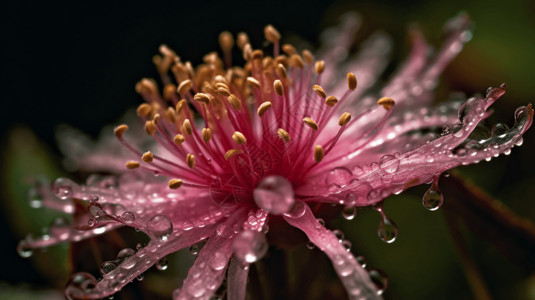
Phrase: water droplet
(321, 222)
(349, 212)
(339, 234)
(380, 279)
(518, 141)
(162, 264)
(389, 163)
(361, 260)
(339, 176)
(457, 130)
(388, 230)
(499, 129)
(520, 113)
(63, 188)
(24, 250)
(125, 253)
(249, 246)
(34, 198)
(310, 245)
(60, 228)
(128, 217)
(194, 249)
(80, 283)
(218, 261)
(140, 277)
(274, 194)
(107, 267)
(347, 245)
(433, 199)
(160, 226)
(297, 211)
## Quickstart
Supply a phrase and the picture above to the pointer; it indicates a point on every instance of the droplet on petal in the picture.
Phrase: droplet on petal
(433, 198)
(380, 279)
(274, 194)
(249, 246)
(160, 226)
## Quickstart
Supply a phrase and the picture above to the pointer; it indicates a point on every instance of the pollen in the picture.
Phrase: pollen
(283, 135)
(120, 130)
(206, 134)
(226, 41)
(184, 87)
(279, 88)
(239, 138)
(344, 119)
(180, 106)
(386, 102)
(147, 156)
(143, 110)
(150, 127)
(234, 101)
(186, 127)
(331, 101)
(179, 139)
(253, 82)
(310, 123)
(319, 91)
(190, 160)
(175, 183)
(318, 153)
(319, 67)
(263, 108)
(132, 164)
(351, 81)
(202, 97)
(272, 34)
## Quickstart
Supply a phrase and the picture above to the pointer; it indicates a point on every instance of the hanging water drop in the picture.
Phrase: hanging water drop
(433, 199)
(361, 260)
(23, 250)
(349, 212)
(194, 249)
(380, 279)
(339, 234)
(249, 246)
(63, 188)
(162, 264)
(160, 226)
(274, 194)
(388, 230)
(34, 198)
(310, 245)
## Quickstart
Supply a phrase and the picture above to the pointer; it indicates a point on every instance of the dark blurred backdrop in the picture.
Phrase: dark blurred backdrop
(77, 63)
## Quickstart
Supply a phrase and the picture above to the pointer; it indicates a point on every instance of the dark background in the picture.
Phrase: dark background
(77, 63)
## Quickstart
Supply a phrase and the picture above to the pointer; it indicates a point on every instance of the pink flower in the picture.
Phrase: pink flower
(233, 147)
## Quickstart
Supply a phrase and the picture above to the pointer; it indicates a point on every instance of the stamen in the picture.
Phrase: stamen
(247, 52)
(226, 41)
(120, 130)
(386, 102)
(144, 110)
(351, 81)
(279, 88)
(310, 123)
(184, 87)
(234, 101)
(281, 71)
(147, 156)
(239, 138)
(223, 92)
(132, 164)
(253, 82)
(175, 183)
(257, 54)
(283, 135)
(319, 67)
(331, 101)
(186, 127)
(190, 160)
(206, 134)
(318, 153)
(179, 139)
(272, 34)
(288, 49)
(319, 91)
(180, 106)
(344, 119)
(201, 97)
(150, 127)
(297, 61)
(232, 152)
(156, 119)
(242, 40)
(263, 108)
(307, 56)
(169, 91)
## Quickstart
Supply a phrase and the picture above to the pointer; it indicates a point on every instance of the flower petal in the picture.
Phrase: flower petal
(237, 280)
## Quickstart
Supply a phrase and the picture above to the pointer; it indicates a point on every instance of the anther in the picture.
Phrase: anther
(132, 164)
(190, 160)
(120, 130)
(201, 97)
(239, 138)
(175, 183)
(331, 101)
(319, 67)
(297, 61)
(184, 87)
(156, 119)
(351, 81)
(170, 114)
(318, 153)
(307, 56)
(319, 91)
(257, 54)
(242, 40)
(247, 52)
(232, 152)
(226, 41)
(150, 127)
(186, 127)
(272, 34)
(281, 71)
(310, 123)
(180, 106)
(253, 82)
(386, 102)
(223, 92)
(169, 91)
(143, 110)
(263, 108)
(179, 139)
(147, 156)
(282, 59)
(234, 101)
(283, 135)
(288, 49)
(279, 88)
(206, 134)
(344, 119)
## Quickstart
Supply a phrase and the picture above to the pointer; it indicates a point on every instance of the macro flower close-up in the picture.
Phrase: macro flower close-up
(255, 151)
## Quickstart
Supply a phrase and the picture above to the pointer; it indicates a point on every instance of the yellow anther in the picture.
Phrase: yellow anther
(175, 183)
(331, 101)
(257, 54)
(150, 127)
(272, 34)
(253, 82)
(186, 127)
(180, 106)
(297, 61)
(169, 91)
(206, 134)
(281, 71)
(184, 87)
(288, 49)
(310, 123)
(144, 110)
(156, 119)
(147, 156)
(239, 138)
(179, 139)
(202, 97)
(242, 40)
(319, 91)
(232, 152)
(279, 88)
(120, 130)
(386, 102)
(351, 81)
(344, 119)
(132, 164)
(308, 57)
(263, 108)
(223, 92)
(318, 153)
(234, 101)
(221, 84)
(226, 41)
(283, 135)
(319, 67)
(247, 52)
(190, 160)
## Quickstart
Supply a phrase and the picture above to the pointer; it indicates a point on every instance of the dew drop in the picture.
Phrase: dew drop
(125, 253)
(80, 283)
(499, 129)
(457, 130)
(249, 246)
(321, 222)
(23, 250)
(140, 277)
(349, 212)
(347, 245)
(339, 176)
(63, 188)
(387, 229)
(520, 113)
(162, 264)
(274, 194)
(433, 199)
(518, 141)
(160, 226)
(34, 198)
(339, 234)
(107, 267)
(389, 164)
(297, 211)
(361, 260)
(380, 279)
(218, 261)
(310, 245)
(194, 249)
(128, 217)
